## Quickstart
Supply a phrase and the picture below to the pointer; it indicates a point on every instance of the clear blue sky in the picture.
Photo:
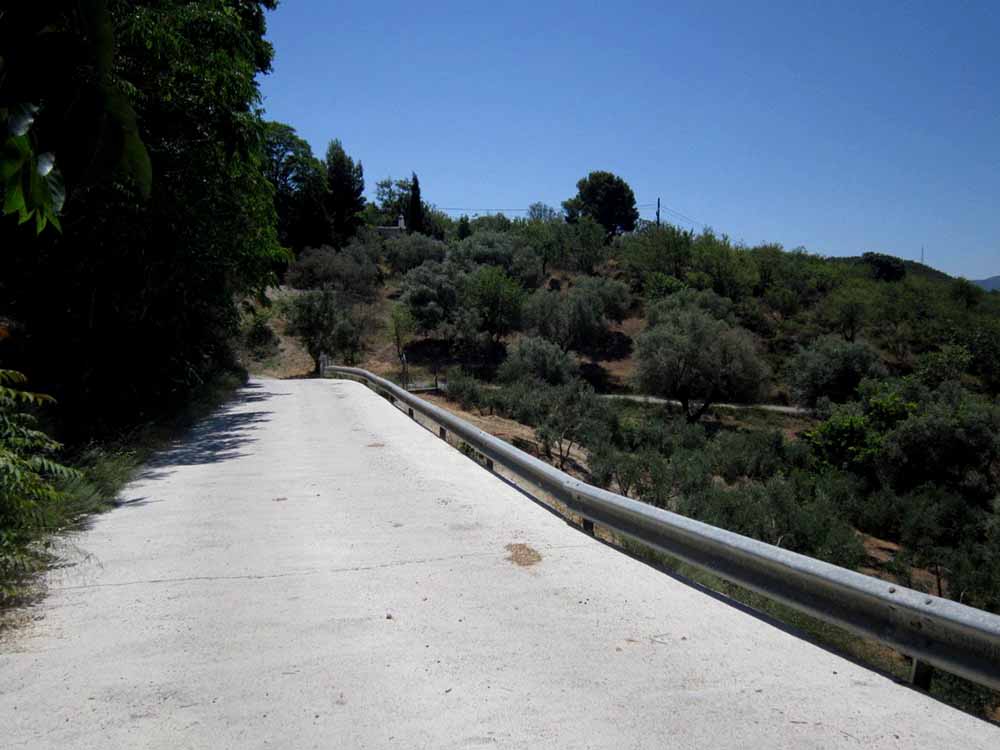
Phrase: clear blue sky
(842, 127)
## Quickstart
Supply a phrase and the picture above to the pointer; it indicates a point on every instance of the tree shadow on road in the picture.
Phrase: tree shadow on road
(221, 436)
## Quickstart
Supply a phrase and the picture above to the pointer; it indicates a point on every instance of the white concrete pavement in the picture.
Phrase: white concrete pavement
(310, 569)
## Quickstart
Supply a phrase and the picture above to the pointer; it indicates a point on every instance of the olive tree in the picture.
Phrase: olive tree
(697, 359)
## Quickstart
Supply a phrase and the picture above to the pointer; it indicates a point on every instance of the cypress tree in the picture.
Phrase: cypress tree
(415, 208)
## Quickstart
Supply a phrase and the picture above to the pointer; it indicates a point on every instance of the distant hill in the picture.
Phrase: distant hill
(990, 284)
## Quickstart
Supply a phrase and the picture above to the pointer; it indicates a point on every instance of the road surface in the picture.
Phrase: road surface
(310, 569)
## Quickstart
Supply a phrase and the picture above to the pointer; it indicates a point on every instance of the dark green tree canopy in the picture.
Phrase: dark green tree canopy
(345, 200)
(607, 199)
(300, 187)
(415, 207)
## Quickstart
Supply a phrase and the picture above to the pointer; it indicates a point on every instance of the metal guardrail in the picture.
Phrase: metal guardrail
(934, 632)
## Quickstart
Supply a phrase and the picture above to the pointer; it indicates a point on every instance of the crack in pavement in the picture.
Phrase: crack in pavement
(306, 572)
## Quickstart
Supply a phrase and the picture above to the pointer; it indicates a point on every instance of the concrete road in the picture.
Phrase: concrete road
(310, 569)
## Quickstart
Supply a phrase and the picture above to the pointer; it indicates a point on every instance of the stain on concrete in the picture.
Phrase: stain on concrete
(523, 555)
(375, 445)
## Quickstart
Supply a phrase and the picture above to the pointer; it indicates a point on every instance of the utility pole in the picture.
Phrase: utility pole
(921, 255)
(657, 212)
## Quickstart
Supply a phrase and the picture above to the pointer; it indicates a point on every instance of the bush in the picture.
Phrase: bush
(540, 359)
(350, 271)
(259, 338)
(29, 475)
(833, 368)
(407, 252)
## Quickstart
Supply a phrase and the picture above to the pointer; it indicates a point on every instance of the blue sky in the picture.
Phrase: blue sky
(841, 127)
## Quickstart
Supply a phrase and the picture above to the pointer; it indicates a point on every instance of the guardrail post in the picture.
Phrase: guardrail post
(410, 412)
(588, 526)
(489, 464)
(442, 433)
(921, 674)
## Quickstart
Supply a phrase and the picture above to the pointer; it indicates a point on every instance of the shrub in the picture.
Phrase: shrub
(350, 271)
(833, 368)
(28, 478)
(411, 250)
(539, 359)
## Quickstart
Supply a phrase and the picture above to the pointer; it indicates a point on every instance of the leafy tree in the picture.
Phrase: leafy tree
(148, 289)
(833, 369)
(573, 415)
(664, 249)
(545, 239)
(847, 310)
(401, 326)
(580, 318)
(300, 187)
(583, 244)
(431, 293)
(326, 324)
(605, 198)
(345, 199)
(495, 298)
(539, 359)
(415, 207)
(464, 229)
(65, 119)
(698, 360)
(540, 212)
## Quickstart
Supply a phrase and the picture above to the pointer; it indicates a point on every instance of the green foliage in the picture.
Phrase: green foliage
(350, 271)
(720, 308)
(697, 359)
(605, 198)
(578, 319)
(431, 293)
(832, 369)
(539, 359)
(344, 200)
(658, 285)
(327, 324)
(495, 299)
(947, 364)
(401, 327)
(406, 252)
(64, 116)
(884, 267)
(414, 207)
(848, 309)
(29, 475)
(148, 290)
(300, 187)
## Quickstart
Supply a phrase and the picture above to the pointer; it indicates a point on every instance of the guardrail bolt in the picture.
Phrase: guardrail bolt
(442, 433)
(588, 526)
(921, 674)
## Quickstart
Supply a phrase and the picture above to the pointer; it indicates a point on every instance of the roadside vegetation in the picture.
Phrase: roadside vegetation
(159, 236)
